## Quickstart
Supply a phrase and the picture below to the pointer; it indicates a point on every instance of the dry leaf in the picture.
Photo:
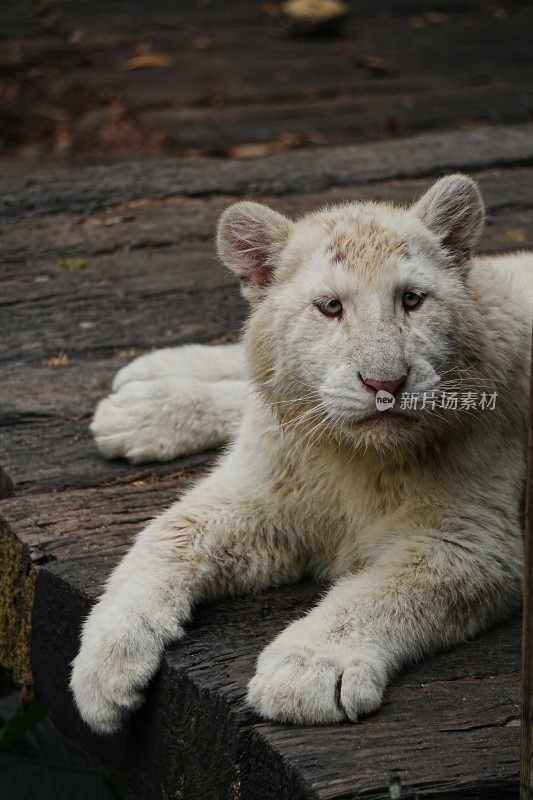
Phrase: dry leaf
(376, 65)
(435, 17)
(271, 9)
(130, 353)
(514, 235)
(308, 17)
(499, 13)
(60, 360)
(314, 11)
(76, 36)
(202, 42)
(146, 61)
(140, 202)
(346, 48)
(179, 475)
(225, 338)
(286, 141)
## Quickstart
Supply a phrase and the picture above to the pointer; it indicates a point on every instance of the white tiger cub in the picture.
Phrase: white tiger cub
(411, 512)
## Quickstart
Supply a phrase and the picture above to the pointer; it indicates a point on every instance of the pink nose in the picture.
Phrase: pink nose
(385, 386)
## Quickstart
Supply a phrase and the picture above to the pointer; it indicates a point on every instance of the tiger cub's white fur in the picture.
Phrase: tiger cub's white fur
(413, 514)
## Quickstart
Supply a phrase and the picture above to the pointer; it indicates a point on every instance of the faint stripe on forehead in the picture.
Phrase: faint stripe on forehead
(362, 243)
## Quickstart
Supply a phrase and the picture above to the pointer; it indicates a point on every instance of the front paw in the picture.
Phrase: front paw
(311, 683)
(152, 420)
(126, 424)
(116, 660)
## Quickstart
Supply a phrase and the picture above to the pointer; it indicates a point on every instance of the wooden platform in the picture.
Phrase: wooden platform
(102, 264)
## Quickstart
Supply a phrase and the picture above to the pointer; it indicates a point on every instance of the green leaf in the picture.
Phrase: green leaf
(70, 263)
(42, 763)
(20, 721)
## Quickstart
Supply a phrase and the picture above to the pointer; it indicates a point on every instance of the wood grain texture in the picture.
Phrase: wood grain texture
(430, 154)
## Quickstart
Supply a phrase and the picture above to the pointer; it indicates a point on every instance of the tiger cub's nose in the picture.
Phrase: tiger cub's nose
(385, 386)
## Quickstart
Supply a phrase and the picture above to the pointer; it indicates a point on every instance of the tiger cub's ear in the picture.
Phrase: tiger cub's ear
(250, 240)
(453, 210)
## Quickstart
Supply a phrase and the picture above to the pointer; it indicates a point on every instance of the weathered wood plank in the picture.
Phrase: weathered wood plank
(118, 320)
(116, 304)
(284, 126)
(79, 524)
(6, 485)
(44, 431)
(526, 740)
(42, 528)
(119, 241)
(93, 188)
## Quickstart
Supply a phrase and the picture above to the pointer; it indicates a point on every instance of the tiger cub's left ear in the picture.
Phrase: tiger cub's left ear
(453, 210)
(250, 239)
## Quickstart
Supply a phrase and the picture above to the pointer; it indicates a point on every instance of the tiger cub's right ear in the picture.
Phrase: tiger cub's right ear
(250, 239)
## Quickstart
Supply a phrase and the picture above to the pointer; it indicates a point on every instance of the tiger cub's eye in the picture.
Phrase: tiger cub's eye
(331, 308)
(412, 300)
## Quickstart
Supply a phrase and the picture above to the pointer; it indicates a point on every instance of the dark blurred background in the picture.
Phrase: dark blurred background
(99, 80)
